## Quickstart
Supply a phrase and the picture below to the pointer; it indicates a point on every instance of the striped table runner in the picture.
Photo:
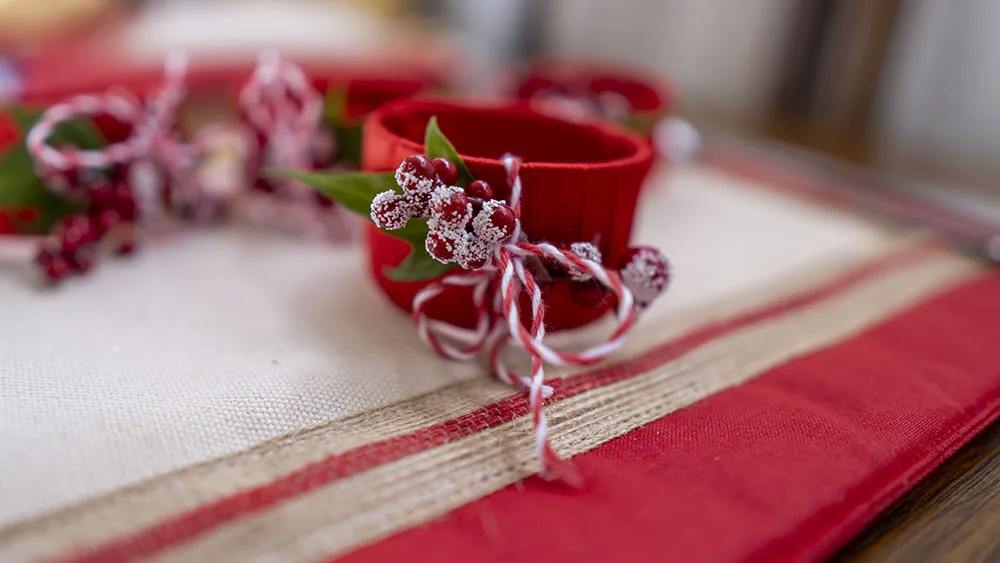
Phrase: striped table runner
(231, 397)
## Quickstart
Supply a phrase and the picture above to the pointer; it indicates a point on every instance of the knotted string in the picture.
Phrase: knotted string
(495, 294)
(154, 138)
(281, 104)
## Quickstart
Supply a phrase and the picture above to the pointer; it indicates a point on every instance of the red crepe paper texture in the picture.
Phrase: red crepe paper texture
(788, 467)
(581, 182)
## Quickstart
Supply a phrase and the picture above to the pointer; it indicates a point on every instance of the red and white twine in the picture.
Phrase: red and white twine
(496, 290)
(281, 104)
(154, 137)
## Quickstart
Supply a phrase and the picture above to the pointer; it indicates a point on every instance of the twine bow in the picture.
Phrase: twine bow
(154, 139)
(495, 294)
(281, 104)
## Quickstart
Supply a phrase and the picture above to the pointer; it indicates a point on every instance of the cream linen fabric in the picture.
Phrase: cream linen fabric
(211, 342)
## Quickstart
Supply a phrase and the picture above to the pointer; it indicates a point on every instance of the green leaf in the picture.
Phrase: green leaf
(437, 145)
(353, 190)
(20, 186)
(80, 133)
(418, 265)
(24, 117)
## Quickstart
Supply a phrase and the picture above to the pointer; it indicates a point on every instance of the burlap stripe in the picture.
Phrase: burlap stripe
(138, 507)
(415, 489)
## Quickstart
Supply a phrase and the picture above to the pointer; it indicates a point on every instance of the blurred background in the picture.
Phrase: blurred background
(909, 85)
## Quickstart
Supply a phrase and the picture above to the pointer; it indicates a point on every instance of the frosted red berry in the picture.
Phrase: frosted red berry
(442, 245)
(126, 247)
(55, 267)
(82, 259)
(102, 196)
(479, 189)
(474, 253)
(446, 170)
(645, 271)
(495, 222)
(75, 232)
(46, 253)
(416, 174)
(390, 211)
(450, 208)
(106, 220)
(587, 251)
(123, 201)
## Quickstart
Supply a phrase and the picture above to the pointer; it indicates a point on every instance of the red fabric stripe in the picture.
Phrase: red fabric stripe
(787, 467)
(189, 525)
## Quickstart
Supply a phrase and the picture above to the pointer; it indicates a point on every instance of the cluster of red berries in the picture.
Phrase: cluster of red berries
(644, 270)
(71, 247)
(466, 225)
(585, 291)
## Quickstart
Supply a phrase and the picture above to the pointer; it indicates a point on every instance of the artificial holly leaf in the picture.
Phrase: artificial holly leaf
(418, 265)
(353, 190)
(79, 133)
(20, 186)
(437, 146)
(356, 190)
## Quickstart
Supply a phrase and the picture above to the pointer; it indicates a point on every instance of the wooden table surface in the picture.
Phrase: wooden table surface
(952, 515)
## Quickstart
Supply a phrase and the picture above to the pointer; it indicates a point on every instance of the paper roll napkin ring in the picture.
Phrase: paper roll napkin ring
(205, 177)
(500, 263)
(476, 238)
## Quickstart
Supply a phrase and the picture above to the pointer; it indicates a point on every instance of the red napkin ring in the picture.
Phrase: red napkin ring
(582, 182)
(570, 88)
(483, 229)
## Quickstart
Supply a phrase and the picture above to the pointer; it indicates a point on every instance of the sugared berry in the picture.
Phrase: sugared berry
(450, 208)
(82, 259)
(416, 174)
(48, 250)
(106, 220)
(390, 211)
(645, 271)
(124, 202)
(474, 254)
(479, 189)
(477, 205)
(126, 247)
(446, 170)
(587, 251)
(102, 195)
(75, 232)
(495, 222)
(442, 245)
(55, 267)
(588, 294)
(419, 202)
